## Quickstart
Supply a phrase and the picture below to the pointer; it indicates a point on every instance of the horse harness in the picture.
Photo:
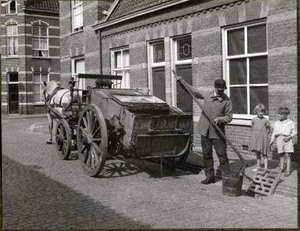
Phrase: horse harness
(49, 97)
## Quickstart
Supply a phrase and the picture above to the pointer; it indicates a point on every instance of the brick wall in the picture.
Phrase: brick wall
(24, 63)
(205, 22)
(85, 44)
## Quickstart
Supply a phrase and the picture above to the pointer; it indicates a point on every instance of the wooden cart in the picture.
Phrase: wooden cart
(111, 120)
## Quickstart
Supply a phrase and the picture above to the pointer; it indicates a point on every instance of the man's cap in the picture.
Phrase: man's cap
(220, 83)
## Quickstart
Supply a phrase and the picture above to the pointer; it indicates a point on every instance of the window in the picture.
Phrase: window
(120, 66)
(40, 39)
(246, 67)
(184, 48)
(78, 67)
(38, 79)
(12, 40)
(182, 63)
(77, 15)
(11, 8)
(157, 69)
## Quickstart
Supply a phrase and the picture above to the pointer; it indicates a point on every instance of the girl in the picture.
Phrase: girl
(284, 131)
(259, 140)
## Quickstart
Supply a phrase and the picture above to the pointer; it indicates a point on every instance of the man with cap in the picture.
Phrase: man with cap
(218, 106)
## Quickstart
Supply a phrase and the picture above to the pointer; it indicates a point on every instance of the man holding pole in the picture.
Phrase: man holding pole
(217, 108)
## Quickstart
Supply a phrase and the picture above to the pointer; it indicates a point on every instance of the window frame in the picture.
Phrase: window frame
(41, 85)
(114, 69)
(176, 62)
(74, 6)
(39, 24)
(8, 8)
(14, 37)
(247, 56)
(152, 64)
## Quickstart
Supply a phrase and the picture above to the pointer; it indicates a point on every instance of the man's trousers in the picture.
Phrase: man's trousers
(220, 148)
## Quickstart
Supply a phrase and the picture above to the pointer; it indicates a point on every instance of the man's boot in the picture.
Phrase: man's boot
(208, 180)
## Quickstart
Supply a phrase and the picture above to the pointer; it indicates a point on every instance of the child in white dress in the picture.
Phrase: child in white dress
(284, 131)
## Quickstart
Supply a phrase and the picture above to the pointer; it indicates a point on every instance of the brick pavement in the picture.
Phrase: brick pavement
(41, 202)
(43, 192)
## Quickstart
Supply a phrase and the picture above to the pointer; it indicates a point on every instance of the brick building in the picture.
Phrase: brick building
(80, 47)
(251, 44)
(29, 53)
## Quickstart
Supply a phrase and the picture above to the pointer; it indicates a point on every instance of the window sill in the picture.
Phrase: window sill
(76, 32)
(241, 122)
(12, 57)
(234, 122)
(39, 104)
(37, 57)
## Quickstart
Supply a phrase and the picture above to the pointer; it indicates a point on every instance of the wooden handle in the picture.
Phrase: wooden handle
(184, 84)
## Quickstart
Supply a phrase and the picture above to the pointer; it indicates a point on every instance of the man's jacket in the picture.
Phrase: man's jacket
(215, 107)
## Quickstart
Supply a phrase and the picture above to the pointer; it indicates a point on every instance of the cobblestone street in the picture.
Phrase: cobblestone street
(41, 191)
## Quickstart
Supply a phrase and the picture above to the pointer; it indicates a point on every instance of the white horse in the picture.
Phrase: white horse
(57, 99)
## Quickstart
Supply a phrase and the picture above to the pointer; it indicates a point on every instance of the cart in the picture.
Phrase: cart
(111, 121)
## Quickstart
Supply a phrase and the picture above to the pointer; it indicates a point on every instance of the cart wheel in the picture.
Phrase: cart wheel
(92, 140)
(63, 138)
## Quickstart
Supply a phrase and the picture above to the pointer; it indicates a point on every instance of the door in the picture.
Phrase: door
(184, 100)
(13, 93)
(159, 83)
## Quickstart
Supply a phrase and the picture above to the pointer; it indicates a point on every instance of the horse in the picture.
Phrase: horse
(57, 100)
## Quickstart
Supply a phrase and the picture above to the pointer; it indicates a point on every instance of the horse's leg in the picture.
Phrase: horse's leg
(50, 126)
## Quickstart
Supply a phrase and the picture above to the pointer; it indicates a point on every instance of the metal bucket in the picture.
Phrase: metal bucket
(232, 183)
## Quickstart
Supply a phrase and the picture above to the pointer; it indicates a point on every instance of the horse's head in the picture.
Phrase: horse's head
(49, 88)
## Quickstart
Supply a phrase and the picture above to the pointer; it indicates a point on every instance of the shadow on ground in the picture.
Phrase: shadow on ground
(154, 168)
(125, 165)
(32, 200)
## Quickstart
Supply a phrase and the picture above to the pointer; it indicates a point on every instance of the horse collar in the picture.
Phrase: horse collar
(54, 92)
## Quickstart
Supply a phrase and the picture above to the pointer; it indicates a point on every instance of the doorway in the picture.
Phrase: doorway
(13, 93)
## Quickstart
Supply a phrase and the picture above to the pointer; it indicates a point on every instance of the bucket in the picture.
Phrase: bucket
(232, 183)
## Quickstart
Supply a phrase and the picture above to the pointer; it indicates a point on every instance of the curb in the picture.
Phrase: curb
(8, 117)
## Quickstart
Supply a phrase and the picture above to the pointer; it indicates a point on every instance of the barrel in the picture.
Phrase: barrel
(232, 183)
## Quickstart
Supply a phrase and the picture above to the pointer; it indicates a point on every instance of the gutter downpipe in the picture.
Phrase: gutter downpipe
(100, 51)
(26, 84)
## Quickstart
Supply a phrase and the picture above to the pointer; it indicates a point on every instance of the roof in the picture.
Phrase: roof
(122, 10)
(126, 7)
(46, 5)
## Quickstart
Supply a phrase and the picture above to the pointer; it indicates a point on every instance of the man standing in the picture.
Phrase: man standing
(218, 106)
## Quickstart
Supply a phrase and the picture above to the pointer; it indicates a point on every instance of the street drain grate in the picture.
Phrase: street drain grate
(264, 182)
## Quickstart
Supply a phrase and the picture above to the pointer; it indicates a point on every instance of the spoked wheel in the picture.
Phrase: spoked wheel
(63, 138)
(92, 141)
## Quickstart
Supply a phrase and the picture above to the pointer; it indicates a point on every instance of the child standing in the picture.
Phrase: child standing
(259, 140)
(284, 131)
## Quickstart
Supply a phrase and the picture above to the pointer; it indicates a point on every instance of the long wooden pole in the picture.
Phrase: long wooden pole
(186, 87)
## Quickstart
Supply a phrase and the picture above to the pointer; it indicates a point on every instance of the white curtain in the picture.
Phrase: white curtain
(79, 68)
(78, 22)
(118, 59)
(126, 79)
(40, 41)
(44, 46)
(126, 58)
(12, 39)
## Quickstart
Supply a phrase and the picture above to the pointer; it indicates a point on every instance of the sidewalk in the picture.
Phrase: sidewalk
(24, 116)
(287, 186)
